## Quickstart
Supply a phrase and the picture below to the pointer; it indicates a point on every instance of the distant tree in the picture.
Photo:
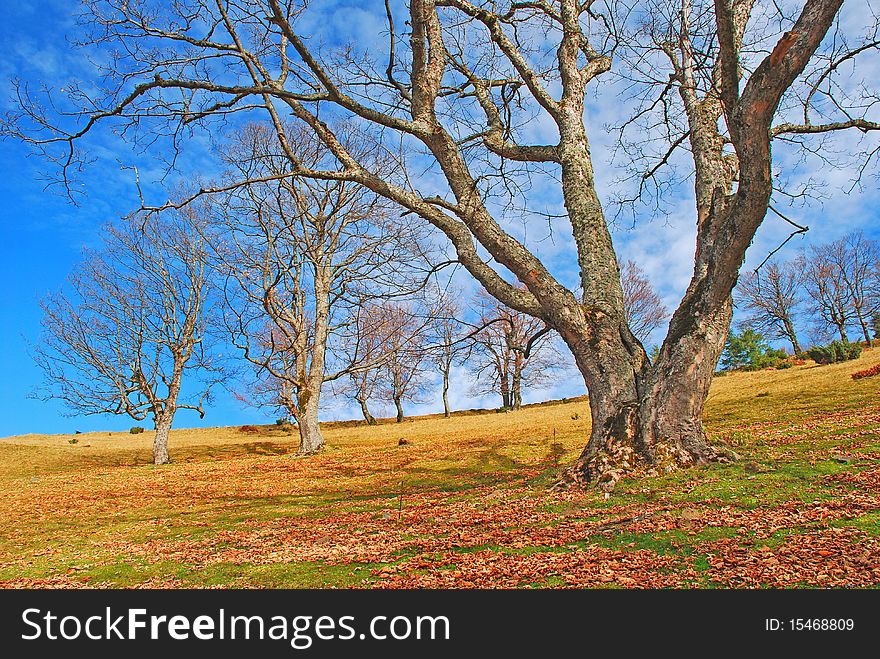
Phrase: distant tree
(843, 283)
(827, 291)
(772, 297)
(302, 257)
(749, 351)
(449, 343)
(132, 325)
(406, 354)
(855, 259)
(369, 340)
(511, 351)
(644, 309)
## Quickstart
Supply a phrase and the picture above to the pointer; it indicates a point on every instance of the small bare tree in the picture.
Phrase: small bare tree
(450, 345)
(511, 351)
(828, 296)
(302, 256)
(369, 341)
(644, 309)
(405, 355)
(132, 324)
(841, 282)
(772, 297)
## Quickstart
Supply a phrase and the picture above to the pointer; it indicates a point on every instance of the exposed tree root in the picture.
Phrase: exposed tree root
(305, 454)
(618, 459)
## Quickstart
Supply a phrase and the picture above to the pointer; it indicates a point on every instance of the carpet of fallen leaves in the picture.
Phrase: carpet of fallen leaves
(370, 514)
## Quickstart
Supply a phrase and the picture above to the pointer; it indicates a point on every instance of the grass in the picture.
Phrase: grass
(464, 504)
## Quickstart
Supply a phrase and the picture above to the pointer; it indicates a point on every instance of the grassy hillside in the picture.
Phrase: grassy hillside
(464, 503)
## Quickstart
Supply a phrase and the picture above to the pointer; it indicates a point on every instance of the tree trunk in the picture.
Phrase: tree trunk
(841, 329)
(865, 332)
(651, 417)
(505, 391)
(399, 405)
(310, 438)
(792, 336)
(369, 418)
(446, 392)
(516, 391)
(308, 396)
(160, 442)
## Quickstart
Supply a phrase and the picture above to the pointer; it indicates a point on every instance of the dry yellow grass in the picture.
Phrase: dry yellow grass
(237, 509)
(734, 398)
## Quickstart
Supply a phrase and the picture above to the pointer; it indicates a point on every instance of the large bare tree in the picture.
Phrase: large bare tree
(303, 257)
(458, 89)
(132, 325)
(772, 297)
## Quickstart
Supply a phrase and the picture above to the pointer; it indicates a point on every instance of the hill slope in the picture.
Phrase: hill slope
(463, 504)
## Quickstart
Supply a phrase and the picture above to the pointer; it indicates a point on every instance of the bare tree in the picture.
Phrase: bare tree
(302, 257)
(370, 340)
(772, 296)
(512, 350)
(856, 259)
(450, 344)
(841, 283)
(405, 355)
(827, 291)
(644, 309)
(132, 325)
(456, 91)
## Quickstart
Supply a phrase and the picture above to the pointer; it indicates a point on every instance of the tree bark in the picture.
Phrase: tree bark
(399, 405)
(160, 442)
(369, 418)
(652, 417)
(164, 411)
(311, 440)
(312, 378)
(505, 390)
(516, 390)
(865, 331)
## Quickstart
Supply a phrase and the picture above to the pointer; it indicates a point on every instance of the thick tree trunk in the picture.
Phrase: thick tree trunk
(369, 418)
(650, 418)
(310, 438)
(841, 330)
(160, 442)
(505, 391)
(516, 392)
(399, 405)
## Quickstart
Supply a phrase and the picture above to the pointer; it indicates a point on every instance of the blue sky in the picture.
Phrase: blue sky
(42, 233)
